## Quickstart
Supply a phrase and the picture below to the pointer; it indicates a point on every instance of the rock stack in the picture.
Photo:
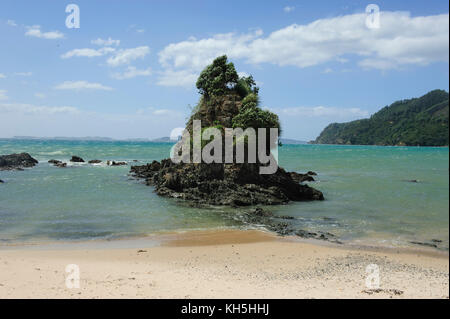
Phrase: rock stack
(227, 102)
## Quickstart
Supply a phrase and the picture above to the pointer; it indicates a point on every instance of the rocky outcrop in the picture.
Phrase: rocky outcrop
(16, 161)
(223, 184)
(300, 178)
(227, 101)
(77, 159)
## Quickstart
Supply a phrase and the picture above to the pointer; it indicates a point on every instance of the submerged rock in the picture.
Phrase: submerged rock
(300, 178)
(57, 163)
(259, 216)
(16, 161)
(423, 244)
(77, 159)
(95, 161)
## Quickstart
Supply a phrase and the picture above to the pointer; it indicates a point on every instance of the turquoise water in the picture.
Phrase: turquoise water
(368, 196)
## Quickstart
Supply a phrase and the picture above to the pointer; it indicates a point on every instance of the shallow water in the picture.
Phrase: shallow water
(368, 196)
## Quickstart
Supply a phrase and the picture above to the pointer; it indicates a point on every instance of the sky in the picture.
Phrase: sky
(129, 70)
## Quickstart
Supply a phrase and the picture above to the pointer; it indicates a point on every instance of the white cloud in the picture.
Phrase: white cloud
(151, 111)
(39, 95)
(327, 70)
(11, 23)
(140, 30)
(87, 52)
(401, 40)
(2, 76)
(106, 42)
(288, 9)
(131, 72)
(35, 31)
(3, 95)
(125, 56)
(36, 110)
(81, 85)
(23, 73)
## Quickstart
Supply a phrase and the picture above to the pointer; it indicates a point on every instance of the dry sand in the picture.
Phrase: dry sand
(221, 264)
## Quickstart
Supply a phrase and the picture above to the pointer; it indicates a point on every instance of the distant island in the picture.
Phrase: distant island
(289, 141)
(414, 122)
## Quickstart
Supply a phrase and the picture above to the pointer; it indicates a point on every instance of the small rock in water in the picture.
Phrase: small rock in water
(423, 244)
(436, 241)
(77, 159)
(112, 163)
(16, 161)
(94, 161)
(1, 181)
(286, 217)
(119, 163)
(54, 161)
(311, 173)
(412, 180)
(61, 165)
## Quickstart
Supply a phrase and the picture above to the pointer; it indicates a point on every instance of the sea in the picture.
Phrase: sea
(374, 195)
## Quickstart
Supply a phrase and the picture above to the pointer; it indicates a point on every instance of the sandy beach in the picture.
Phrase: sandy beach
(221, 264)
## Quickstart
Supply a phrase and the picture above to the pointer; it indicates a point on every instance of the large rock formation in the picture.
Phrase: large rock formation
(223, 184)
(16, 161)
(227, 102)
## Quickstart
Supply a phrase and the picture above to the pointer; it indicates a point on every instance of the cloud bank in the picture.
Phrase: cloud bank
(400, 41)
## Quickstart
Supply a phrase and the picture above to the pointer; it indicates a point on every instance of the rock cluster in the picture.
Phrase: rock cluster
(77, 159)
(281, 225)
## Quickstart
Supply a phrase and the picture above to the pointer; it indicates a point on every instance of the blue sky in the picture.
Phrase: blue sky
(130, 69)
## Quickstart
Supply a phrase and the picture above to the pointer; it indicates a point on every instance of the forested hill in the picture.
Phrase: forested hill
(418, 121)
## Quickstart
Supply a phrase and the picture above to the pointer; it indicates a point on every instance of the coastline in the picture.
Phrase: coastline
(220, 264)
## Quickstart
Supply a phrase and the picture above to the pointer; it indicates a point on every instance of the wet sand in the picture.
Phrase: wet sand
(221, 264)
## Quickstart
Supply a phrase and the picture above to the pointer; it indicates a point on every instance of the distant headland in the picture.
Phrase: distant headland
(414, 122)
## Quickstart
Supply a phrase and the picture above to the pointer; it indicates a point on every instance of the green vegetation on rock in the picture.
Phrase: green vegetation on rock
(228, 100)
(419, 121)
